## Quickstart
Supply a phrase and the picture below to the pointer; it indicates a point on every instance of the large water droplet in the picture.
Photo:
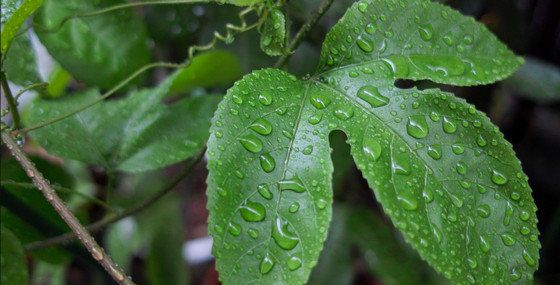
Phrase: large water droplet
(251, 143)
(264, 191)
(267, 162)
(365, 44)
(426, 32)
(400, 165)
(372, 148)
(498, 178)
(483, 211)
(371, 28)
(266, 264)
(458, 148)
(315, 119)
(508, 239)
(234, 229)
(294, 207)
(254, 233)
(436, 232)
(434, 151)
(319, 101)
(449, 125)
(528, 258)
(294, 184)
(252, 212)
(408, 201)
(261, 126)
(508, 213)
(484, 245)
(343, 112)
(397, 64)
(417, 126)
(283, 237)
(308, 150)
(294, 263)
(371, 95)
(265, 98)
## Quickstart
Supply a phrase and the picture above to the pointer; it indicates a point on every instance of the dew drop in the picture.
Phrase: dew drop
(458, 148)
(365, 44)
(315, 119)
(294, 263)
(265, 98)
(308, 150)
(408, 202)
(458, 202)
(448, 39)
(294, 184)
(436, 232)
(498, 178)
(294, 207)
(221, 191)
(426, 32)
(483, 211)
(264, 191)
(321, 203)
(319, 101)
(398, 65)
(524, 215)
(252, 212)
(371, 95)
(417, 126)
(266, 265)
(362, 6)
(484, 245)
(508, 239)
(267, 162)
(400, 166)
(528, 258)
(254, 233)
(449, 125)
(428, 195)
(508, 213)
(343, 112)
(372, 148)
(461, 168)
(371, 28)
(234, 229)
(434, 151)
(434, 116)
(251, 143)
(261, 126)
(283, 236)
(480, 141)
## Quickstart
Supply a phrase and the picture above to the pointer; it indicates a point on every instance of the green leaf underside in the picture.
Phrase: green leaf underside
(20, 64)
(273, 34)
(101, 50)
(134, 134)
(14, 13)
(441, 170)
(537, 80)
(14, 266)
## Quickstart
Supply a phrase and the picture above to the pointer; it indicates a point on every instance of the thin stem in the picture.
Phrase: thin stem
(305, 28)
(132, 211)
(44, 186)
(12, 104)
(111, 9)
(59, 189)
(104, 96)
(32, 86)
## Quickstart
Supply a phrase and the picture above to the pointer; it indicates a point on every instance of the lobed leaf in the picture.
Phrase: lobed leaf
(138, 133)
(100, 50)
(441, 170)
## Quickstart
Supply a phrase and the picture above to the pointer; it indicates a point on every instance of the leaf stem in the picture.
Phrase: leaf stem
(304, 30)
(12, 103)
(44, 186)
(29, 87)
(129, 212)
(104, 96)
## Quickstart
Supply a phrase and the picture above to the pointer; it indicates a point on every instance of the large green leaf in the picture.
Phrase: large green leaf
(14, 13)
(12, 259)
(100, 50)
(133, 134)
(441, 170)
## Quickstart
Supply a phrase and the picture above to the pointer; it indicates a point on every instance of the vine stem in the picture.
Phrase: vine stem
(105, 222)
(304, 30)
(87, 240)
(104, 96)
(12, 103)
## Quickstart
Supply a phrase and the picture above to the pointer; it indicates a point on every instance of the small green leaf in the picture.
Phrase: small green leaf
(14, 13)
(273, 34)
(206, 70)
(138, 133)
(440, 169)
(101, 50)
(13, 263)
(20, 63)
(240, 2)
(537, 80)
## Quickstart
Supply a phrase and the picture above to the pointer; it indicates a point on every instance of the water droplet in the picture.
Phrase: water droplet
(254, 233)
(458, 148)
(251, 143)
(239, 174)
(218, 229)
(264, 191)
(283, 237)
(480, 141)
(428, 195)
(524, 215)
(97, 253)
(389, 33)
(408, 201)
(315, 119)
(371, 28)
(437, 232)
(372, 96)
(426, 32)
(448, 39)
(321, 203)
(524, 230)
(417, 126)
(434, 151)
(400, 166)
(261, 126)
(266, 264)
(267, 162)
(221, 191)
(372, 148)
(472, 263)
(484, 245)
(461, 168)
(294, 263)
(439, 65)
(398, 65)
(344, 112)
(362, 6)
(456, 200)
(365, 44)
(498, 178)
(483, 211)
(319, 101)
(265, 98)
(294, 207)
(449, 125)
(508, 239)
(234, 229)
(294, 184)
(528, 258)
(308, 150)
(508, 213)
(253, 212)
(434, 116)
(236, 99)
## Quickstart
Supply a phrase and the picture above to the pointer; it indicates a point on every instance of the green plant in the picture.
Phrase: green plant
(441, 170)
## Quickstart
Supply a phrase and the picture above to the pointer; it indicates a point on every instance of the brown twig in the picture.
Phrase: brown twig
(105, 222)
(87, 240)
(305, 28)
